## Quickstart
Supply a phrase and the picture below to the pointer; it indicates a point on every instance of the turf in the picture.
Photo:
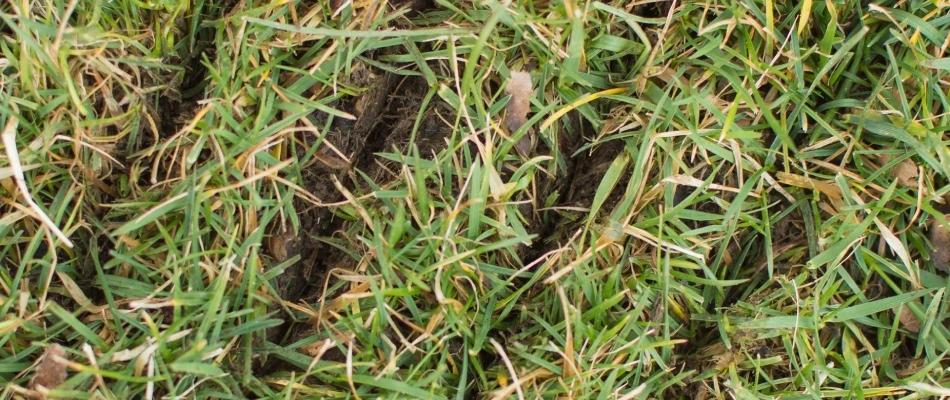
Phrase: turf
(368, 199)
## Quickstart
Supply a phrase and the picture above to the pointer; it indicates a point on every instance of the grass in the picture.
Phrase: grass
(321, 199)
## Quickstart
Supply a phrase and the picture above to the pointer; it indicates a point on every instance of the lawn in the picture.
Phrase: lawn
(443, 199)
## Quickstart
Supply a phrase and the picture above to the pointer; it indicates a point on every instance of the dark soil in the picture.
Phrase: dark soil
(386, 111)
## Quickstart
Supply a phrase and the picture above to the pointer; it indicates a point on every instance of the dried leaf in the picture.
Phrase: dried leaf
(825, 187)
(524, 146)
(318, 348)
(828, 333)
(332, 162)
(519, 87)
(906, 173)
(281, 246)
(724, 360)
(52, 370)
(940, 242)
(908, 320)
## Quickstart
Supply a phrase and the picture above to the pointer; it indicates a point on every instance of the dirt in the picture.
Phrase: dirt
(347, 152)
(385, 115)
(386, 112)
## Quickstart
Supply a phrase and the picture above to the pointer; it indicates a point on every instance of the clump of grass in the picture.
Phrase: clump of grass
(324, 199)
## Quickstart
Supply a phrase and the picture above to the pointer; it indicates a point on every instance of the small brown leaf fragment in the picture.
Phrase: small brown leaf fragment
(332, 162)
(280, 246)
(828, 333)
(317, 349)
(52, 370)
(335, 5)
(723, 360)
(519, 87)
(940, 244)
(907, 318)
(905, 173)
(524, 146)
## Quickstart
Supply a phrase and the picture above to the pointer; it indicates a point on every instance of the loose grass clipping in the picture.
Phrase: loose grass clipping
(8, 138)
